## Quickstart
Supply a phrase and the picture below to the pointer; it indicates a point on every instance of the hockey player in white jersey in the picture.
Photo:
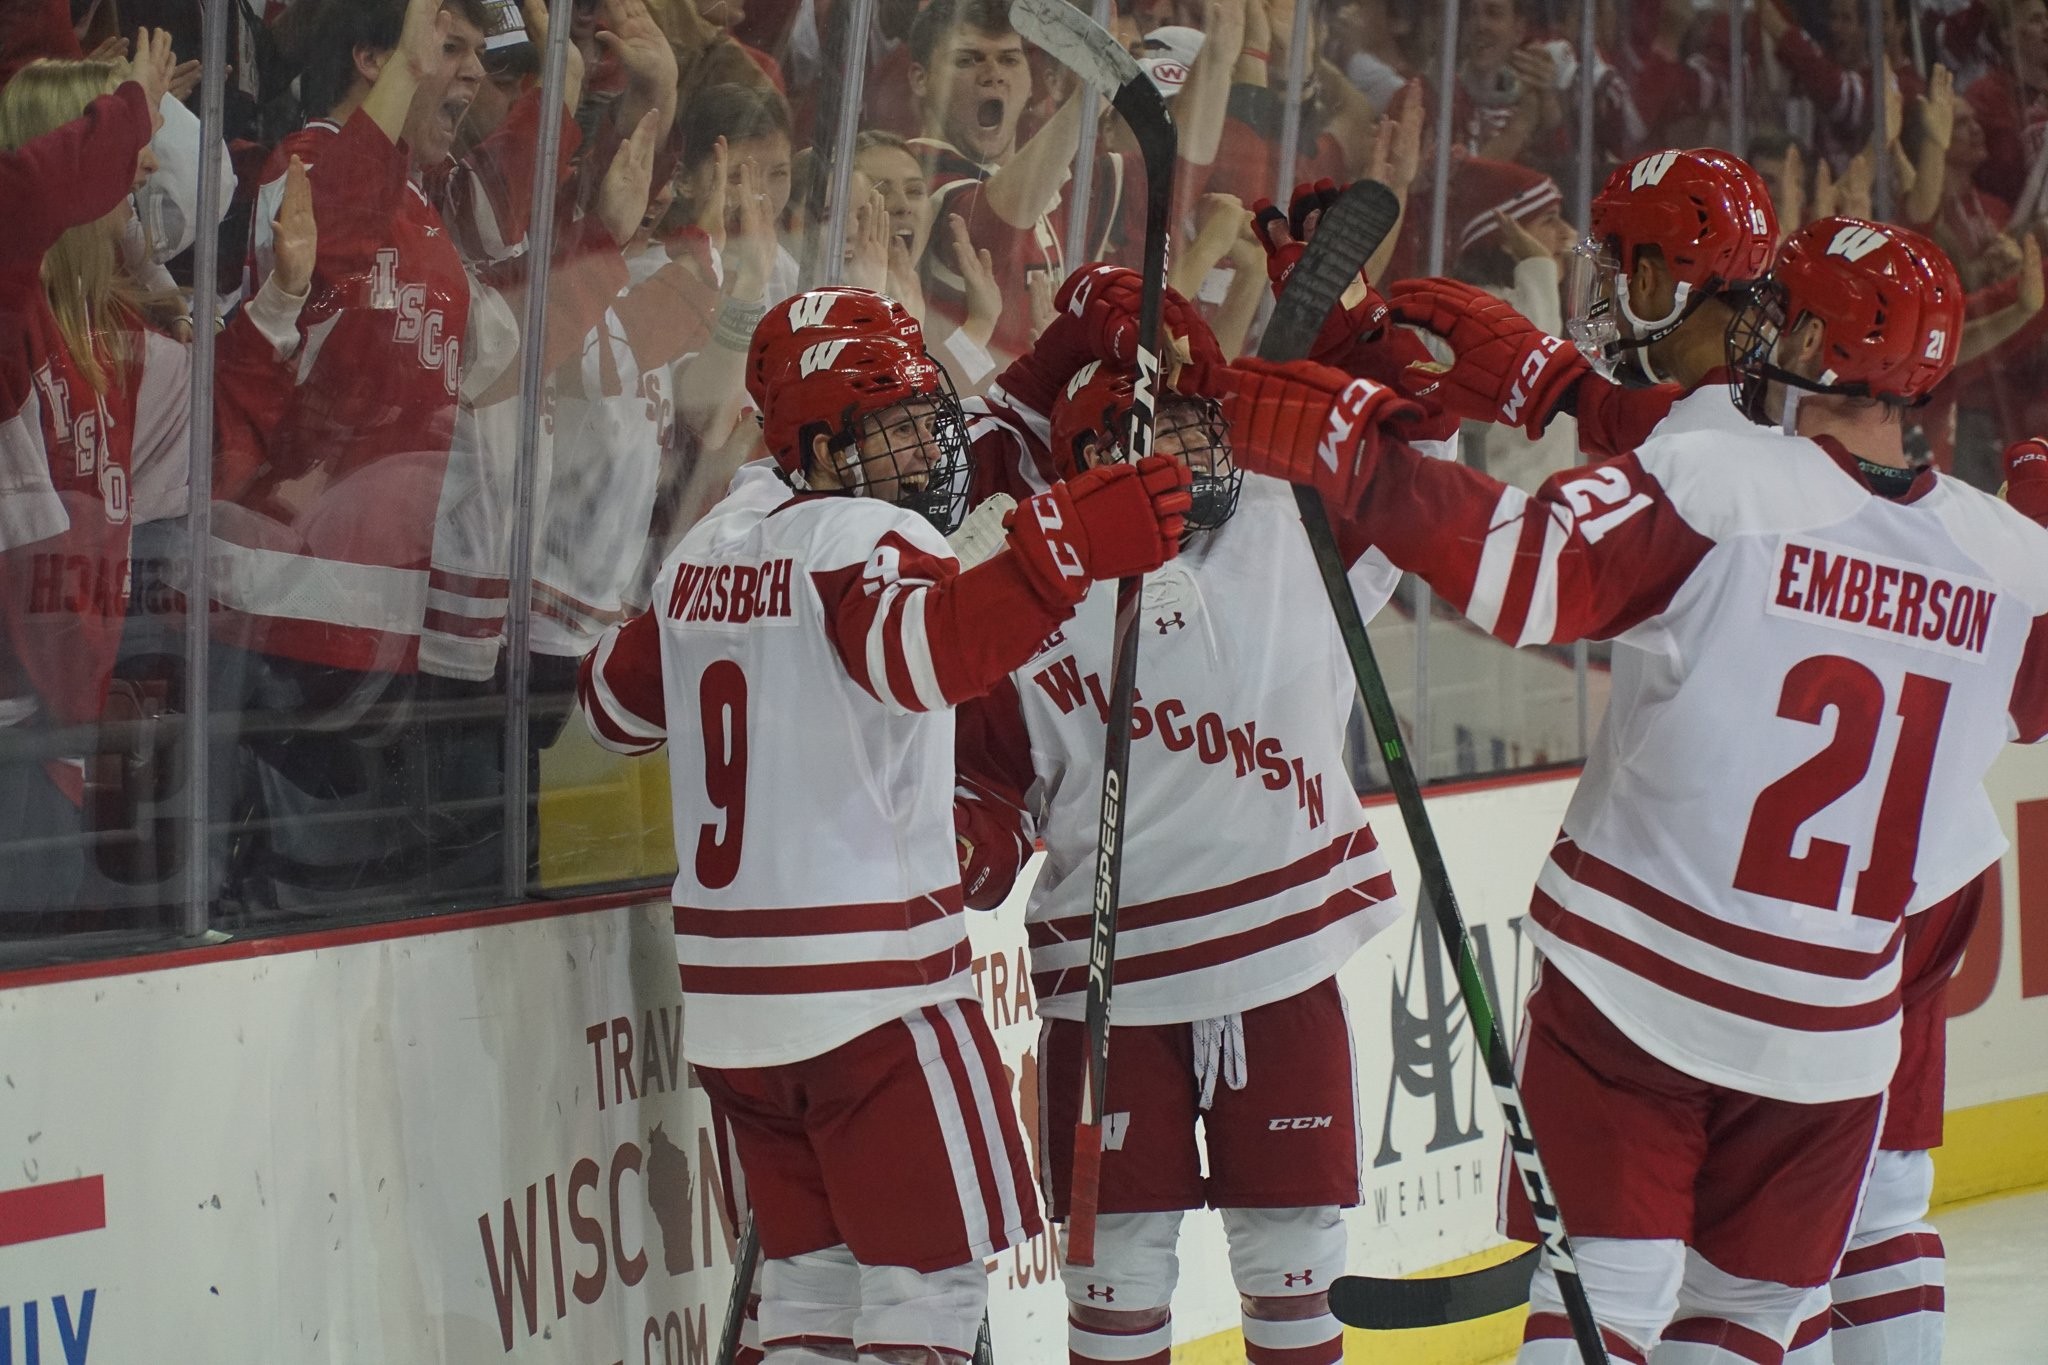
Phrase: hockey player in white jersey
(1249, 876)
(1677, 241)
(1818, 654)
(810, 649)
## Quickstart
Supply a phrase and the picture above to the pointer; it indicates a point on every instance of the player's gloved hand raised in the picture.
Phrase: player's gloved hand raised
(1113, 521)
(2026, 478)
(1309, 423)
(1360, 317)
(1507, 370)
(1095, 317)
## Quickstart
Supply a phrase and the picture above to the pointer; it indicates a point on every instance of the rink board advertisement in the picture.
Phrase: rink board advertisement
(477, 1141)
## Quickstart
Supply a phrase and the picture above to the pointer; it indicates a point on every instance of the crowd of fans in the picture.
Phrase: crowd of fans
(370, 460)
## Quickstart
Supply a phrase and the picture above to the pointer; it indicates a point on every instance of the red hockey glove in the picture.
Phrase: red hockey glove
(1506, 370)
(2026, 478)
(1309, 423)
(1113, 521)
(1096, 318)
(990, 849)
(1361, 316)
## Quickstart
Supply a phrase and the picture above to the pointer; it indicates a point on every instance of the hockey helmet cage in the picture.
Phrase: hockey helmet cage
(1890, 307)
(890, 416)
(1094, 413)
(1710, 218)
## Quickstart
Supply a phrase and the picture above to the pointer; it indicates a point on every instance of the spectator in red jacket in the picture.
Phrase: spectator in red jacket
(95, 397)
(2012, 104)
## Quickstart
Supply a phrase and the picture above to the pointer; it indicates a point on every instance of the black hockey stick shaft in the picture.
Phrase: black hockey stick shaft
(745, 1258)
(1089, 50)
(1442, 902)
(1139, 103)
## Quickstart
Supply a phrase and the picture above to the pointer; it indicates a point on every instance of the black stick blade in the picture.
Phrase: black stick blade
(1397, 1305)
(1344, 241)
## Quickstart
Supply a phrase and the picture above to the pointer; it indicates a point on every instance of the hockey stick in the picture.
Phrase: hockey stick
(1087, 49)
(1396, 1305)
(1344, 240)
(744, 1258)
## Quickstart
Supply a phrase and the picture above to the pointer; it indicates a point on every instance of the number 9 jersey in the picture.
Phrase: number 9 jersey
(1810, 683)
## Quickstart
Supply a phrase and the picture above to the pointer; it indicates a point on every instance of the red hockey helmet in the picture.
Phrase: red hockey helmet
(1709, 216)
(891, 419)
(1094, 413)
(836, 309)
(1889, 304)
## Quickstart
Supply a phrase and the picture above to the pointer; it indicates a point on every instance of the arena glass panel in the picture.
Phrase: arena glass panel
(339, 724)
(97, 704)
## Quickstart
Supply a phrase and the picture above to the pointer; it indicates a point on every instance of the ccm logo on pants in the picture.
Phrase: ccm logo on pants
(1291, 1125)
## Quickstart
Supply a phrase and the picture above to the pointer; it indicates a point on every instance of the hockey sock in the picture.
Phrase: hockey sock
(1104, 1345)
(1300, 1341)
(749, 1352)
(1716, 1341)
(1889, 1301)
(1812, 1344)
(1547, 1340)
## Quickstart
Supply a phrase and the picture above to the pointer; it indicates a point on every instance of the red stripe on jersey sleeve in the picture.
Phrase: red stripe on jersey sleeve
(1514, 607)
(1627, 553)
(978, 625)
(1661, 971)
(857, 602)
(631, 658)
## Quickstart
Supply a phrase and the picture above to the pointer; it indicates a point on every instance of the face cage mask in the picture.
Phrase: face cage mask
(1597, 291)
(1753, 335)
(1203, 445)
(931, 470)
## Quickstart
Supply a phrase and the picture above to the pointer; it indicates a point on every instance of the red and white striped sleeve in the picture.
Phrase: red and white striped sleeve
(919, 635)
(619, 688)
(1591, 553)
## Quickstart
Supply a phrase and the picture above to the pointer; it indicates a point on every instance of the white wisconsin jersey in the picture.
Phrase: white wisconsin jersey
(467, 582)
(818, 887)
(1249, 872)
(1710, 407)
(612, 425)
(1794, 751)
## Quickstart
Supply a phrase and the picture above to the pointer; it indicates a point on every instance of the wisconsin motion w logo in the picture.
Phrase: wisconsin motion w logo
(1436, 1059)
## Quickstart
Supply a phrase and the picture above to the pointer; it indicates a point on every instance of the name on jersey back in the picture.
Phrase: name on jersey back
(731, 594)
(1888, 599)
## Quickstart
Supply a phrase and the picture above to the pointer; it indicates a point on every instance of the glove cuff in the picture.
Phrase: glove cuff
(1052, 565)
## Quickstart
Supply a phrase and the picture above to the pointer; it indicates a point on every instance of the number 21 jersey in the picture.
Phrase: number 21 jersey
(1810, 682)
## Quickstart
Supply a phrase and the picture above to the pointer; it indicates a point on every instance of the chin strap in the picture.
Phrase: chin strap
(1788, 419)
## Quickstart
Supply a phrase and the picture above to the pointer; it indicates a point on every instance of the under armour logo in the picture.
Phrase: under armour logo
(1107, 1293)
(1176, 623)
(1306, 1277)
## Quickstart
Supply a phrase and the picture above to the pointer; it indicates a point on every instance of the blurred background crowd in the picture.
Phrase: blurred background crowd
(298, 559)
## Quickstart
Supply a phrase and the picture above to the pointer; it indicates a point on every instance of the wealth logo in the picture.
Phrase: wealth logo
(1436, 1083)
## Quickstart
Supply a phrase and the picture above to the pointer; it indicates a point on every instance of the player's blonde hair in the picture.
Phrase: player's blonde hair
(97, 304)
